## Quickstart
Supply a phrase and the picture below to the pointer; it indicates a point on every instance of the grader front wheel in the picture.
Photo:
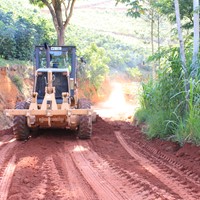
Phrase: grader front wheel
(85, 123)
(20, 129)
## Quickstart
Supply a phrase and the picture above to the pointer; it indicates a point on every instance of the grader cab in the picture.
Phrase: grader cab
(54, 102)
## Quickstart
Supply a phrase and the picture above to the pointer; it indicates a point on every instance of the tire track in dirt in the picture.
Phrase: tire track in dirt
(112, 182)
(53, 181)
(5, 139)
(39, 191)
(183, 161)
(6, 178)
(64, 181)
(45, 170)
(7, 164)
(102, 187)
(162, 171)
(78, 186)
(5, 150)
(51, 184)
(183, 170)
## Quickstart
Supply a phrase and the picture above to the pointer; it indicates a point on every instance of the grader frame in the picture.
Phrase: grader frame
(54, 102)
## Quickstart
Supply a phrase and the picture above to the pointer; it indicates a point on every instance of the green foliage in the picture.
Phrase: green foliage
(163, 101)
(121, 55)
(133, 72)
(19, 32)
(37, 2)
(158, 124)
(187, 128)
(24, 37)
(7, 36)
(135, 8)
(141, 115)
(166, 7)
(96, 67)
(17, 81)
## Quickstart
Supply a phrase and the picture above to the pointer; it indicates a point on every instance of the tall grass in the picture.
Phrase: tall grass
(190, 128)
(163, 104)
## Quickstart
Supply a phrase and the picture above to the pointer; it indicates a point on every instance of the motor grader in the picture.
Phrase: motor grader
(54, 102)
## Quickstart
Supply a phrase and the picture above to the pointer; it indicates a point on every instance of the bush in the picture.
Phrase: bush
(95, 69)
(18, 82)
(141, 115)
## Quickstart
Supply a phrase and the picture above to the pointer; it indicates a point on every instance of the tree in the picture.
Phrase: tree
(19, 33)
(182, 51)
(60, 19)
(166, 7)
(135, 8)
(7, 35)
(96, 67)
(196, 39)
(143, 7)
(148, 9)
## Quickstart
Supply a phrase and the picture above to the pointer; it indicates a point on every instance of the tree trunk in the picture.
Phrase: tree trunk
(182, 51)
(152, 42)
(61, 12)
(61, 37)
(196, 39)
(158, 30)
(152, 28)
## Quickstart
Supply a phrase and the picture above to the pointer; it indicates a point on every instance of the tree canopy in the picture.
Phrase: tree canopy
(19, 33)
(60, 19)
(166, 7)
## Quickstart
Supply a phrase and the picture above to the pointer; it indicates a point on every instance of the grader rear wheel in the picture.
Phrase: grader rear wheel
(85, 123)
(20, 129)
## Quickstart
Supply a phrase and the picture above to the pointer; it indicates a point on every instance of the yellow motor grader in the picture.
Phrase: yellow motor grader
(54, 102)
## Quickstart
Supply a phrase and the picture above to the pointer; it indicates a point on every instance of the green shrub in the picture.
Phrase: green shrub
(141, 115)
(18, 82)
(96, 68)
(157, 124)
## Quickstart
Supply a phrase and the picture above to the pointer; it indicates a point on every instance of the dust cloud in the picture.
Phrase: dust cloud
(117, 107)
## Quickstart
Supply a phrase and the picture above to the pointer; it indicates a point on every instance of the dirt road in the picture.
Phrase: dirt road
(118, 162)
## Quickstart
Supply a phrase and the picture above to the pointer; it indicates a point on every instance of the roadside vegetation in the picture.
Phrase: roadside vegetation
(170, 103)
(163, 102)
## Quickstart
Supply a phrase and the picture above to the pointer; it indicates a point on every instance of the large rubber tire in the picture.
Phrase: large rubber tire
(85, 122)
(20, 128)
